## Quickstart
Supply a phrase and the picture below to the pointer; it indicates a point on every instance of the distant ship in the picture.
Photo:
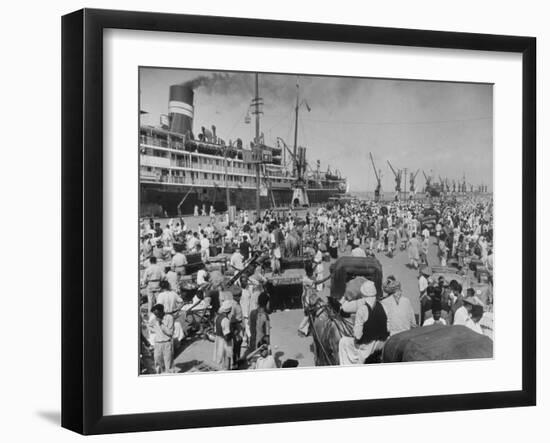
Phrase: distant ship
(181, 169)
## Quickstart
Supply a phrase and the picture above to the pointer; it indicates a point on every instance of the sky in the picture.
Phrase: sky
(443, 128)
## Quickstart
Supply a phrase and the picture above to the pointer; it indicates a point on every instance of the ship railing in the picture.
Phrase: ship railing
(248, 180)
(153, 141)
(198, 181)
(149, 176)
(314, 186)
(160, 142)
(176, 145)
(217, 168)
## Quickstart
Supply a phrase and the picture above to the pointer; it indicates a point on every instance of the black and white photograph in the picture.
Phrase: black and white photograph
(275, 222)
(292, 221)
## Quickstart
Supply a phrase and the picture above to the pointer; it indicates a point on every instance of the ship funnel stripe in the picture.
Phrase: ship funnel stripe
(181, 111)
(177, 107)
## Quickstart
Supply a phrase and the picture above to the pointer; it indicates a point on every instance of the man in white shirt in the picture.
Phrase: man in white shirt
(205, 248)
(248, 303)
(319, 268)
(202, 277)
(152, 276)
(435, 319)
(223, 349)
(228, 235)
(236, 261)
(171, 277)
(209, 230)
(161, 326)
(462, 314)
(178, 262)
(192, 242)
(265, 360)
(426, 233)
(169, 299)
(475, 317)
(399, 310)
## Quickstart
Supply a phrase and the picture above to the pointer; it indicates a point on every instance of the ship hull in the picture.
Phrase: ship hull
(164, 199)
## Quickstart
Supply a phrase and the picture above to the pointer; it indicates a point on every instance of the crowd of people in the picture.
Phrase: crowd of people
(459, 229)
(376, 319)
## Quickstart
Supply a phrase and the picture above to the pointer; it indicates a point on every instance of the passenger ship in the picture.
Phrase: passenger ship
(181, 172)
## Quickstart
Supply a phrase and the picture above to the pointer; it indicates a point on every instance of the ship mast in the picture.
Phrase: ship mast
(299, 196)
(257, 144)
(295, 168)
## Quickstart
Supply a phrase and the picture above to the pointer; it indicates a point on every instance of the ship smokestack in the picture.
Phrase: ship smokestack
(180, 109)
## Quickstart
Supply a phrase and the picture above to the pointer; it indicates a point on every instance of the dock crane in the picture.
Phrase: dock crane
(398, 175)
(444, 185)
(412, 179)
(378, 180)
(428, 180)
(431, 190)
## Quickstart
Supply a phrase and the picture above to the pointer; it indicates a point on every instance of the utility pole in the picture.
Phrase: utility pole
(227, 199)
(404, 179)
(258, 164)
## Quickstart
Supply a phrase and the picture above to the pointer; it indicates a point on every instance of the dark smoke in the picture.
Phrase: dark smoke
(223, 83)
(281, 88)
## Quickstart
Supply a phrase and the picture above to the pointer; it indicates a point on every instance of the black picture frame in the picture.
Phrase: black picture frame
(82, 220)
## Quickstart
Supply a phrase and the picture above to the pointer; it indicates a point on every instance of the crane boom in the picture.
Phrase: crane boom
(374, 167)
(392, 170)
